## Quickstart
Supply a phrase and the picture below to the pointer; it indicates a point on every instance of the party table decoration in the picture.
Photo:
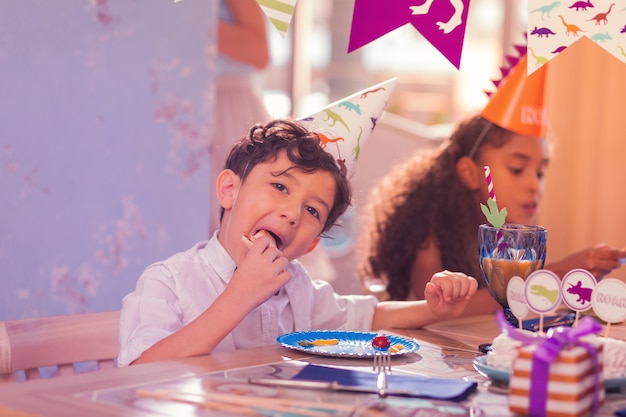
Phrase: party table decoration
(542, 291)
(516, 299)
(608, 300)
(576, 288)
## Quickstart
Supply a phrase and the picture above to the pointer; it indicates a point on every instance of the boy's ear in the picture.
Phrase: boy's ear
(470, 173)
(226, 188)
(313, 245)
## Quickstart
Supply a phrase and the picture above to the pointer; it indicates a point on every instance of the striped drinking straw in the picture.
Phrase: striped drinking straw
(492, 193)
(492, 196)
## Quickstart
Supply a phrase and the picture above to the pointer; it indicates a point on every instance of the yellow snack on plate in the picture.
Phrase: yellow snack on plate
(396, 348)
(318, 342)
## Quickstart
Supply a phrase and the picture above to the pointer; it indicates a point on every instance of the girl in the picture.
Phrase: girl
(423, 217)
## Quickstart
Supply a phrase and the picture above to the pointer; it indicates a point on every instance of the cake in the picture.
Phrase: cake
(614, 359)
(504, 352)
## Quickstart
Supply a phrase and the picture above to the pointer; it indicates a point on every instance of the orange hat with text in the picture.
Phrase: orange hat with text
(519, 103)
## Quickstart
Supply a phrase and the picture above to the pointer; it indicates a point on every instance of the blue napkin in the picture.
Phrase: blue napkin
(414, 386)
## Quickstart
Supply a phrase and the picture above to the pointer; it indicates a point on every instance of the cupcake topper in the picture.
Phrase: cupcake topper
(516, 299)
(576, 288)
(609, 301)
(345, 125)
(542, 290)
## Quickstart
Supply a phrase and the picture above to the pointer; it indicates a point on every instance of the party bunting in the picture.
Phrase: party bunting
(555, 25)
(441, 22)
(279, 13)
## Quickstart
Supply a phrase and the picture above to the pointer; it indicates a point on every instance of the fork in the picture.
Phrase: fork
(382, 367)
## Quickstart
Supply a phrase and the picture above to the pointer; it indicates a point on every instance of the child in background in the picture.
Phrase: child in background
(423, 216)
(226, 294)
(243, 55)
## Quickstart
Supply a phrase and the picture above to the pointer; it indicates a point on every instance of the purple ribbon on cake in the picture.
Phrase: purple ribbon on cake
(548, 349)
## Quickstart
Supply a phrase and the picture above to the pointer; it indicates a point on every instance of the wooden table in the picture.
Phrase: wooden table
(446, 349)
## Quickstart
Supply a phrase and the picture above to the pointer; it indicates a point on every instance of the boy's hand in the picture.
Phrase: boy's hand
(448, 293)
(261, 273)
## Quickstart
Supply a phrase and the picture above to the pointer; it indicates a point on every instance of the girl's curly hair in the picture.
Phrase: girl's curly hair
(302, 147)
(421, 201)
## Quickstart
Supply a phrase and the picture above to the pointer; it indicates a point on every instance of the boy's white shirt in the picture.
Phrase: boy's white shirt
(171, 293)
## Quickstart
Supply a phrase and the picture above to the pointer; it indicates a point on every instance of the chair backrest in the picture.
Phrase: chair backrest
(63, 343)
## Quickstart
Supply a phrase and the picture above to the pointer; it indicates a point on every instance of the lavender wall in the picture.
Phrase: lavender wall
(104, 118)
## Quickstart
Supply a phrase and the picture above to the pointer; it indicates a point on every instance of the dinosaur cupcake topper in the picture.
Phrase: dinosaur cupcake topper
(345, 125)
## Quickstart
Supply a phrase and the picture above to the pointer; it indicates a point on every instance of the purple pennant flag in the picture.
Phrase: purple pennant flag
(441, 22)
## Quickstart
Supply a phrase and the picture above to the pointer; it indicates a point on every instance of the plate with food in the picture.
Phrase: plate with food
(346, 343)
(503, 375)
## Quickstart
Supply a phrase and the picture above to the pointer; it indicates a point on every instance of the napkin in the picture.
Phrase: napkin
(413, 386)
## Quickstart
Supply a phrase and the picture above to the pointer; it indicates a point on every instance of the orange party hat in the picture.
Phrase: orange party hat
(519, 104)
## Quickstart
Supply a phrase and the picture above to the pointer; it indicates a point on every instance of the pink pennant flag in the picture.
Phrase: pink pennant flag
(441, 22)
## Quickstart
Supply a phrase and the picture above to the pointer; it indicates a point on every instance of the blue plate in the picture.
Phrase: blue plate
(480, 364)
(349, 344)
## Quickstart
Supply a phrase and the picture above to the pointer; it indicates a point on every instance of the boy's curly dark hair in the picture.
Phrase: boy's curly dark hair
(424, 200)
(302, 147)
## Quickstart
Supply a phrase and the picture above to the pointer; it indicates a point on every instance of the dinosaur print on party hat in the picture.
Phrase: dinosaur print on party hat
(344, 126)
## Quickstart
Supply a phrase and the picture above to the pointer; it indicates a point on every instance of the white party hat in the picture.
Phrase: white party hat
(345, 125)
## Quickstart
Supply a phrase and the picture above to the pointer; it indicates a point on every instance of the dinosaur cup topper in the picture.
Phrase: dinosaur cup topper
(345, 125)
(518, 103)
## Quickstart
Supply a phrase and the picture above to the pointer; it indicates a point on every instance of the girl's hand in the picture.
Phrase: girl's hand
(448, 293)
(600, 260)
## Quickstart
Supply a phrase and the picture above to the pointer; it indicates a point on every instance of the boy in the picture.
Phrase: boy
(225, 294)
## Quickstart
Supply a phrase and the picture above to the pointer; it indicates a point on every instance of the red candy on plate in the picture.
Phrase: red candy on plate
(381, 342)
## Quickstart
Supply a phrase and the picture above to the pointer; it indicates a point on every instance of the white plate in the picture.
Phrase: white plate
(349, 344)
(503, 375)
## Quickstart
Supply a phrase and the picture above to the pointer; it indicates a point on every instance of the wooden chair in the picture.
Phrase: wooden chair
(60, 342)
